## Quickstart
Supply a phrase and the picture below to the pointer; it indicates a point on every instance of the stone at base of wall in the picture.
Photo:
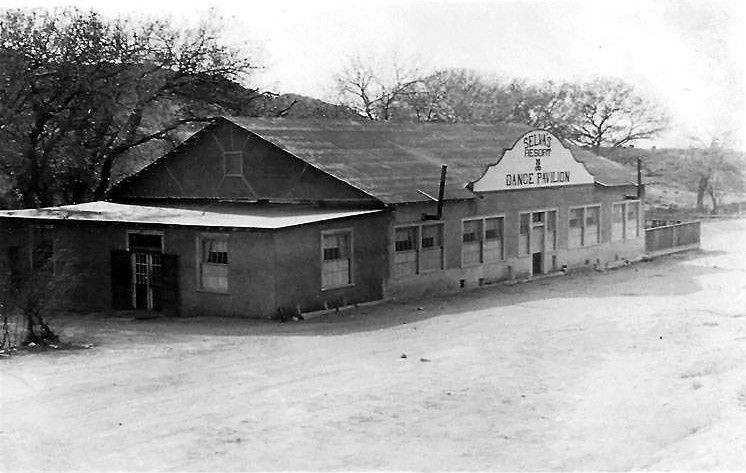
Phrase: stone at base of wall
(317, 313)
(676, 249)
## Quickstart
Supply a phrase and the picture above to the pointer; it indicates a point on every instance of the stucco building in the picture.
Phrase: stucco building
(256, 217)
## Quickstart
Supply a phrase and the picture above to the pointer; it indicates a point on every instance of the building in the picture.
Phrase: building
(259, 217)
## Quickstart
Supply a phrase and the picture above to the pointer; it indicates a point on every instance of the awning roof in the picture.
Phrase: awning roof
(211, 215)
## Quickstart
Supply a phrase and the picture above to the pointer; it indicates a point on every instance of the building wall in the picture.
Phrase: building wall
(510, 204)
(265, 172)
(267, 270)
(81, 261)
(299, 253)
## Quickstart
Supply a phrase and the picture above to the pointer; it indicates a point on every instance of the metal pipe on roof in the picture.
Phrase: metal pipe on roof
(441, 196)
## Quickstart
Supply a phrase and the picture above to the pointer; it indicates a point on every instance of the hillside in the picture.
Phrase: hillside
(230, 98)
(670, 178)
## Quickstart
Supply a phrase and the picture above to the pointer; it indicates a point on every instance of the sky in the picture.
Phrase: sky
(688, 55)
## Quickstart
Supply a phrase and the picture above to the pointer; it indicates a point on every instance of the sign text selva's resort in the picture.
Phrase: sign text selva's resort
(537, 159)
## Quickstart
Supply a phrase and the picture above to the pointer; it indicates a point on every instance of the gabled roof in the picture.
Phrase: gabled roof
(213, 215)
(394, 161)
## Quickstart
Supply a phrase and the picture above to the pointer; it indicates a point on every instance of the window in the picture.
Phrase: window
(42, 249)
(575, 237)
(523, 234)
(418, 248)
(139, 241)
(583, 227)
(405, 251)
(617, 219)
(591, 226)
(471, 246)
(214, 263)
(551, 230)
(493, 239)
(625, 220)
(233, 163)
(432, 247)
(336, 270)
(632, 227)
(482, 240)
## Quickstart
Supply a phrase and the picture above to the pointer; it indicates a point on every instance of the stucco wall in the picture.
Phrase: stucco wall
(299, 264)
(510, 204)
(81, 259)
(267, 270)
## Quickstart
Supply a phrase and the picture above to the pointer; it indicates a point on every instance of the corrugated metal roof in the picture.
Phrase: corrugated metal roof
(391, 161)
(605, 171)
(213, 215)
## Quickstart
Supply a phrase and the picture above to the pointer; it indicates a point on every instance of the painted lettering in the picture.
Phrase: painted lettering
(537, 139)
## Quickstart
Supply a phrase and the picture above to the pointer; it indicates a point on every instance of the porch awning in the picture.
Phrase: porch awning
(220, 214)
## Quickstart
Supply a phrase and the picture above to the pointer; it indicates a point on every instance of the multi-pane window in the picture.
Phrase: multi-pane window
(471, 242)
(213, 260)
(493, 239)
(482, 240)
(42, 249)
(625, 220)
(336, 268)
(405, 250)
(551, 230)
(523, 234)
(632, 227)
(418, 248)
(617, 222)
(592, 233)
(583, 227)
(575, 236)
(432, 248)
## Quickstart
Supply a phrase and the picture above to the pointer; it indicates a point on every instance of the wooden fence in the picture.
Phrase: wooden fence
(672, 238)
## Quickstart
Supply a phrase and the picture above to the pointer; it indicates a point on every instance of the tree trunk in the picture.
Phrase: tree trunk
(714, 199)
(104, 177)
(702, 186)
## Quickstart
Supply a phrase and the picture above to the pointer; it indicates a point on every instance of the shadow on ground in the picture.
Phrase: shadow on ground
(666, 276)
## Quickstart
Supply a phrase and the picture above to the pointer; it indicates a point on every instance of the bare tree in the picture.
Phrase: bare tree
(712, 169)
(607, 113)
(374, 90)
(462, 95)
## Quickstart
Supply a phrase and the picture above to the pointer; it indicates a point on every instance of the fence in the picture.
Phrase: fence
(672, 238)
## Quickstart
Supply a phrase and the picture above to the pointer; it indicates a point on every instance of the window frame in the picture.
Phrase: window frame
(144, 232)
(483, 238)
(202, 237)
(226, 155)
(351, 259)
(583, 226)
(418, 248)
(543, 223)
(625, 204)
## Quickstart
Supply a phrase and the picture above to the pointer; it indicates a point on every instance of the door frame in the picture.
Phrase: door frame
(547, 249)
(148, 252)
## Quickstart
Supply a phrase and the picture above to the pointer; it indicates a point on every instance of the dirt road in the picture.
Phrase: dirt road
(638, 368)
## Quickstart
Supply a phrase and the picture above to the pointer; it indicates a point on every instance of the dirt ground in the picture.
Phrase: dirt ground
(642, 367)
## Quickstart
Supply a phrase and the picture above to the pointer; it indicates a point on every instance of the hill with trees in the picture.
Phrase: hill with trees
(87, 100)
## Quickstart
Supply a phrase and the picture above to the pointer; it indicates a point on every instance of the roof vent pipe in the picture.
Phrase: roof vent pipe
(441, 196)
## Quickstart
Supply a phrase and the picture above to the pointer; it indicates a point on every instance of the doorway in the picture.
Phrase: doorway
(537, 263)
(146, 262)
(538, 230)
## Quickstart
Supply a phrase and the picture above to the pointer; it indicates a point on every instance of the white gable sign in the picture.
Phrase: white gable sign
(537, 159)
